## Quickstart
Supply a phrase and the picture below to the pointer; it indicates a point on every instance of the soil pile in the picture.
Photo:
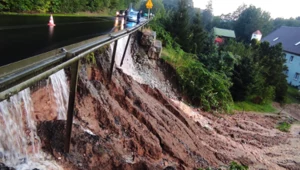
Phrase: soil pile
(122, 124)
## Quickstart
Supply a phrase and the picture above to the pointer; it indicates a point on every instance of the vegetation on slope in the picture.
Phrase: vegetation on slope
(213, 77)
(293, 95)
(210, 90)
(250, 106)
(284, 127)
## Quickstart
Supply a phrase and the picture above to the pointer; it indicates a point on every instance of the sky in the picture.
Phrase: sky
(277, 8)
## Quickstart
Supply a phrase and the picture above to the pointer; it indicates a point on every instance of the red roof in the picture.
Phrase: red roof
(219, 40)
(257, 32)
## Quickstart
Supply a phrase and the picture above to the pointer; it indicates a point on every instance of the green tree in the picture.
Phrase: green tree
(199, 37)
(259, 73)
(180, 26)
(158, 6)
(278, 22)
(207, 16)
(64, 6)
(273, 60)
(250, 20)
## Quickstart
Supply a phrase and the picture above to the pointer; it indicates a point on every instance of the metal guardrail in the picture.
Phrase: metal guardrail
(18, 76)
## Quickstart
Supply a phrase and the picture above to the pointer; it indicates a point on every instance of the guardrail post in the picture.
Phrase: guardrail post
(113, 60)
(71, 105)
(125, 50)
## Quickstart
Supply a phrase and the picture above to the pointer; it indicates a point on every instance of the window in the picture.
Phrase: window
(296, 77)
(286, 72)
(291, 59)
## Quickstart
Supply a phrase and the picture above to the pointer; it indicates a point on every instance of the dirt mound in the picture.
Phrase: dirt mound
(292, 110)
(128, 125)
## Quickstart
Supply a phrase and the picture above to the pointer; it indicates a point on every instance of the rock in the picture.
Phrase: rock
(148, 38)
(206, 126)
(170, 168)
(155, 50)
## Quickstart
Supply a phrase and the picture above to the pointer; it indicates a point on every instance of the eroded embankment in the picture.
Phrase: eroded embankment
(123, 124)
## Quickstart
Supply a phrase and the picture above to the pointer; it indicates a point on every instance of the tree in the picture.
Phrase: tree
(64, 6)
(273, 60)
(199, 36)
(221, 22)
(158, 6)
(208, 16)
(236, 14)
(250, 20)
(180, 26)
(174, 4)
(278, 22)
(259, 74)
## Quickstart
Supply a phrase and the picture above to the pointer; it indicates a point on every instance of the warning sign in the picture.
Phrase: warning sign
(149, 4)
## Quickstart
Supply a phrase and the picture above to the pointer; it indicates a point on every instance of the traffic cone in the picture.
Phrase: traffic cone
(51, 21)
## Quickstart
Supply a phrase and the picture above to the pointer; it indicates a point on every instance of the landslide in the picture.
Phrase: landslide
(123, 124)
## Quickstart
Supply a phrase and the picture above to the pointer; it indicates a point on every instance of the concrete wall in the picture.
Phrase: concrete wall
(293, 68)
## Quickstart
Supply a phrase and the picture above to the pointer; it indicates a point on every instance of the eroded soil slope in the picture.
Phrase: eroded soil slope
(123, 124)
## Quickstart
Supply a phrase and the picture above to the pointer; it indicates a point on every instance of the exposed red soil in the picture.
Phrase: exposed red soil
(137, 127)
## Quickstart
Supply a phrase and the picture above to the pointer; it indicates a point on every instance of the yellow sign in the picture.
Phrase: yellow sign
(149, 4)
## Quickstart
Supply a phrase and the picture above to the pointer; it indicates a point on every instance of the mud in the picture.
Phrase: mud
(127, 125)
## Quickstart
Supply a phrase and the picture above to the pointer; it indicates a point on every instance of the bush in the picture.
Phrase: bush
(293, 95)
(207, 89)
(236, 166)
(90, 58)
(284, 127)
(233, 166)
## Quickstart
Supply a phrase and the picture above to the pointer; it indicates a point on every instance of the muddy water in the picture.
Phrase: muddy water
(128, 66)
(142, 69)
(61, 93)
(20, 146)
(19, 143)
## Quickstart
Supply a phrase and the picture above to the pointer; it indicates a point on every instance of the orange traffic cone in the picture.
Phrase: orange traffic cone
(51, 21)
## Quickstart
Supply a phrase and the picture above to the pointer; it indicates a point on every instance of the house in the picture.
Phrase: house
(222, 35)
(256, 35)
(290, 39)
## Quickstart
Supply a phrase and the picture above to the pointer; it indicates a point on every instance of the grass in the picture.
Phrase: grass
(236, 166)
(284, 127)
(233, 166)
(249, 106)
(293, 95)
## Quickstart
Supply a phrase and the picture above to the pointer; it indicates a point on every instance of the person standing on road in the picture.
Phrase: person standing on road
(125, 16)
(139, 16)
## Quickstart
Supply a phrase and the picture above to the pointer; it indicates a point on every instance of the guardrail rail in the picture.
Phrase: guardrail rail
(20, 75)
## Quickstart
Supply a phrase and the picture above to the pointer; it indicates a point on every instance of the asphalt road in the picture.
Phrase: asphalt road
(25, 36)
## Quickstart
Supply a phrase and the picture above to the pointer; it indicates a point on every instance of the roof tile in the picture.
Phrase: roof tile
(288, 36)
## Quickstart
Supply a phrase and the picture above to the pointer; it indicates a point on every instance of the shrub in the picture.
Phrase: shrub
(90, 58)
(207, 89)
(236, 166)
(284, 127)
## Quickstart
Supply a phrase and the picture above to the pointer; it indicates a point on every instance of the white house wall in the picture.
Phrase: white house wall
(293, 68)
(256, 36)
